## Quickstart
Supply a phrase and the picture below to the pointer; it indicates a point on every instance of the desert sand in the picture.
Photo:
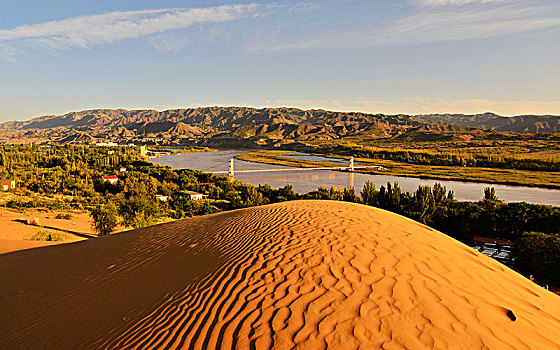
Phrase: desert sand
(16, 235)
(306, 274)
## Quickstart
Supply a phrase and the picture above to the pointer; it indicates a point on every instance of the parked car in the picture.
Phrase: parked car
(501, 255)
(489, 251)
(506, 248)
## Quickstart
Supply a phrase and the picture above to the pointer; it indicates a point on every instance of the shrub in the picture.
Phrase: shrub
(44, 235)
(64, 216)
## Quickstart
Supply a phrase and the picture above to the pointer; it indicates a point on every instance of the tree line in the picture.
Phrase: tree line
(448, 158)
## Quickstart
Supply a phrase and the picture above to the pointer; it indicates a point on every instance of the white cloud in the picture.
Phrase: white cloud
(450, 24)
(458, 2)
(426, 23)
(88, 31)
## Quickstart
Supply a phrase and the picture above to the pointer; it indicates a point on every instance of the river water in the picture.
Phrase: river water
(307, 181)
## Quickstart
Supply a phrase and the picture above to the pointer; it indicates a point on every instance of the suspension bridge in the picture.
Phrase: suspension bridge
(351, 167)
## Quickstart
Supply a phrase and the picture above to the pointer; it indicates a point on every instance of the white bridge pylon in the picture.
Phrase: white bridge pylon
(351, 167)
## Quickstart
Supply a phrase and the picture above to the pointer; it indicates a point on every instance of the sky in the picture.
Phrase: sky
(400, 56)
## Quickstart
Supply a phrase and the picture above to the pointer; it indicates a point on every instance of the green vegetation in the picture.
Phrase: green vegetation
(104, 218)
(538, 254)
(64, 216)
(490, 194)
(44, 235)
(70, 177)
(473, 154)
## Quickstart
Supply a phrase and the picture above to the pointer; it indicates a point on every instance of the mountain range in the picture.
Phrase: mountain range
(244, 126)
(526, 124)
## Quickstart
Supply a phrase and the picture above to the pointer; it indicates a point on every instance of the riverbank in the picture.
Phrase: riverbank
(540, 179)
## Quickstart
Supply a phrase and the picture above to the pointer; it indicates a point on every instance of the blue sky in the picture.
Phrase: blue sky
(403, 56)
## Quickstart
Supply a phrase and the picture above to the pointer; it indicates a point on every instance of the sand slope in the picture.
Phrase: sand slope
(309, 274)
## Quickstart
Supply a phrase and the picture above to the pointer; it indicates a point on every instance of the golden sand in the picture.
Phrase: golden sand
(16, 235)
(306, 274)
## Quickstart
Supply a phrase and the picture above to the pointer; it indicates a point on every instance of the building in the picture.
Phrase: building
(8, 185)
(195, 196)
(111, 178)
(122, 169)
(162, 197)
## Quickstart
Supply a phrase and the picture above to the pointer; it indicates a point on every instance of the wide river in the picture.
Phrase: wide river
(307, 181)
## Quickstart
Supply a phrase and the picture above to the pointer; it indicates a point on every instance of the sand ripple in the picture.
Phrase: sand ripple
(306, 274)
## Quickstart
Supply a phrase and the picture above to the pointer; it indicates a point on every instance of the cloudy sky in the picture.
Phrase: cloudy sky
(400, 56)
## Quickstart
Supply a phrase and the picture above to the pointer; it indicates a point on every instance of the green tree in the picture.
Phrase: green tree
(207, 208)
(104, 218)
(538, 254)
(287, 193)
(349, 195)
(423, 203)
(369, 193)
(490, 194)
(250, 196)
(390, 197)
(183, 206)
(139, 211)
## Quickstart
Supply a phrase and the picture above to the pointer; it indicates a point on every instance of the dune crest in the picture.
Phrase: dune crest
(311, 274)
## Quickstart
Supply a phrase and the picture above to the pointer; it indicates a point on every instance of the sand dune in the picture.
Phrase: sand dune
(306, 274)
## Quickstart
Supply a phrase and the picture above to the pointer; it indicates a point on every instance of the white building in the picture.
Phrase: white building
(162, 197)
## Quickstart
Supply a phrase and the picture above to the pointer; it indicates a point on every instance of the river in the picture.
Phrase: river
(307, 181)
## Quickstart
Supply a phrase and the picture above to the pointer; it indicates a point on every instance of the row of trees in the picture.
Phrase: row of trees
(449, 158)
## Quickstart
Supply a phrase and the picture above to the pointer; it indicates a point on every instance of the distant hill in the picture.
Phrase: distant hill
(526, 124)
(243, 126)
(212, 125)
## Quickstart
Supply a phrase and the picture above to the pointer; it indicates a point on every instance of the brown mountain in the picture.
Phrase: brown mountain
(243, 126)
(526, 124)
(209, 125)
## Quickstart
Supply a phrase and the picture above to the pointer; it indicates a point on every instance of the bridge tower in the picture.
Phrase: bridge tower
(351, 168)
(231, 172)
